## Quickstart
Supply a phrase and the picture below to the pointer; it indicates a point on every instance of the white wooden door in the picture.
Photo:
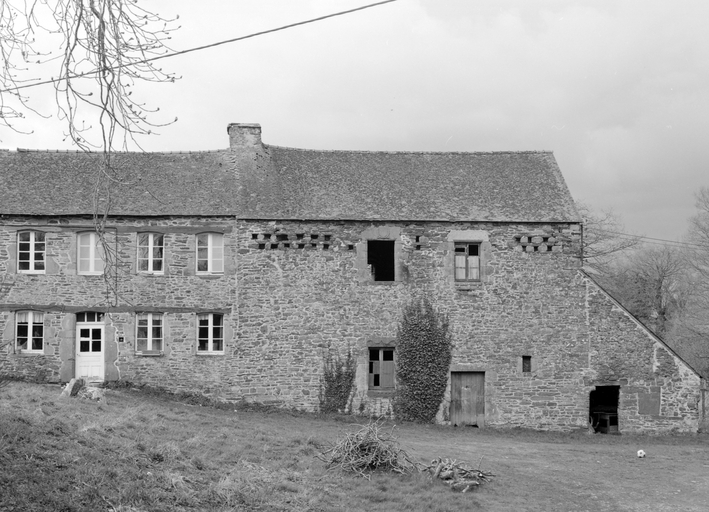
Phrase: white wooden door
(89, 352)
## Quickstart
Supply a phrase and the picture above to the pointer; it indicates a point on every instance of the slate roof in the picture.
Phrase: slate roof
(499, 186)
(273, 182)
(147, 184)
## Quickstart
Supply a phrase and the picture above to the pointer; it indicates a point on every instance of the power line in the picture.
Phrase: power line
(204, 47)
(651, 239)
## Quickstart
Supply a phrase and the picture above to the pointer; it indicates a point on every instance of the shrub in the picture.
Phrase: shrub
(424, 347)
(337, 381)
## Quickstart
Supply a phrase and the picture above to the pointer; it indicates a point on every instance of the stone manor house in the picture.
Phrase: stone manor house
(234, 272)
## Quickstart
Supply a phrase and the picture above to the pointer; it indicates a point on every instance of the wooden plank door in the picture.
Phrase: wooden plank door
(89, 352)
(467, 398)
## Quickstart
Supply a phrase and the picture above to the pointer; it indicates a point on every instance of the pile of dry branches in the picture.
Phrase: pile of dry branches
(457, 474)
(369, 449)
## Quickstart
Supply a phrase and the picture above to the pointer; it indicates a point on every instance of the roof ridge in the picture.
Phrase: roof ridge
(78, 151)
(373, 151)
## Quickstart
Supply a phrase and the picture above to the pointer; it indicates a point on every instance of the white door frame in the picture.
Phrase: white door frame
(90, 351)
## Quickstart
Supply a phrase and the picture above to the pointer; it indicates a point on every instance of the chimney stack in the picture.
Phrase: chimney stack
(244, 135)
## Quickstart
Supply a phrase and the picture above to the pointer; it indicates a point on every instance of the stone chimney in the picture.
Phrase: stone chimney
(244, 135)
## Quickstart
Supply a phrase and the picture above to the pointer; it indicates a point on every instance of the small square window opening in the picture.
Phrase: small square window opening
(526, 364)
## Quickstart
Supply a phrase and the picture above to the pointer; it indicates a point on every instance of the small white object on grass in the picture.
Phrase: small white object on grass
(641, 454)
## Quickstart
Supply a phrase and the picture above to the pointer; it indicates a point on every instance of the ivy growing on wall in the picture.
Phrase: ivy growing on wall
(337, 381)
(423, 349)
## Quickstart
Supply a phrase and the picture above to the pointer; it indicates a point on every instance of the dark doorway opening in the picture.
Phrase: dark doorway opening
(603, 409)
(380, 255)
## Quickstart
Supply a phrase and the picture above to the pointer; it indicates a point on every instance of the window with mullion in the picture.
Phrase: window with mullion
(381, 368)
(151, 250)
(91, 255)
(149, 332)
(29, 331)
(30, 252)
(467, 262)
(210, 333)
(210, 253)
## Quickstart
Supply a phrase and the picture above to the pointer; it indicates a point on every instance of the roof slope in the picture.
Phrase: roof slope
(272, 182)
(145, 184)
(501, 186)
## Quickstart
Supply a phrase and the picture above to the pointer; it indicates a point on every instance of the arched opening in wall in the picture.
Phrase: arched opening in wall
(603, 409)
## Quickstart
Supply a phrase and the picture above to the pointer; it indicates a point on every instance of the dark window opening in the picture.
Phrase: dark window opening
(325, 247)
(603, 409)
(286, 246)
(418, 247)
(328, 237)
(299, 236)
(381, 368)
(266, 236)
(274, 246)
(301, 246)
(526, 364)
(380, 255)
(254, 236)
(314, 237)
(281, 237)
(350, 247)
(261, 246)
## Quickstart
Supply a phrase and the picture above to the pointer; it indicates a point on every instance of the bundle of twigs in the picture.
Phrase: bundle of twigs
(367, 450)
(459, 476)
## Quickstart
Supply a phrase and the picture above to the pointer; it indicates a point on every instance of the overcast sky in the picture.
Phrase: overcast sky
(618, 90)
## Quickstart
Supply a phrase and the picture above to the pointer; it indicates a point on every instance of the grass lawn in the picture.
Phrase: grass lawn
(141, 451)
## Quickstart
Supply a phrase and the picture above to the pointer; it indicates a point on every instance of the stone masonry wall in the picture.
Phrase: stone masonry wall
(179, 293)
(659, 393)
(292, 290)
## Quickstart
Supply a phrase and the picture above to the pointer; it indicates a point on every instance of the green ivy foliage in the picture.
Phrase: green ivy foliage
(337, 382)
(423, 356)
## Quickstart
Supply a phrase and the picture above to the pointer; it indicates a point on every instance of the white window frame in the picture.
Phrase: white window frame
(212, 247)
(34, 318)
(211, 342)
(151, 259)
(33, 252)
(472, 272)
(90, 241)
(153, 321)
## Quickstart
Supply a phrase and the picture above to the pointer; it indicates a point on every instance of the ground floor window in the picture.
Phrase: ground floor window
(149, 334)
(381, 368)
(210, 333)
(29, 331)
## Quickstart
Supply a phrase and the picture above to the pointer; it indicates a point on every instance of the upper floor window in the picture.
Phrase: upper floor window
(149, 333)
(381, 258)
(91, 255)
(151, 251)
(29, 331)
(30, 252)
(467, 261)
(210, 333)
(210, 253)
